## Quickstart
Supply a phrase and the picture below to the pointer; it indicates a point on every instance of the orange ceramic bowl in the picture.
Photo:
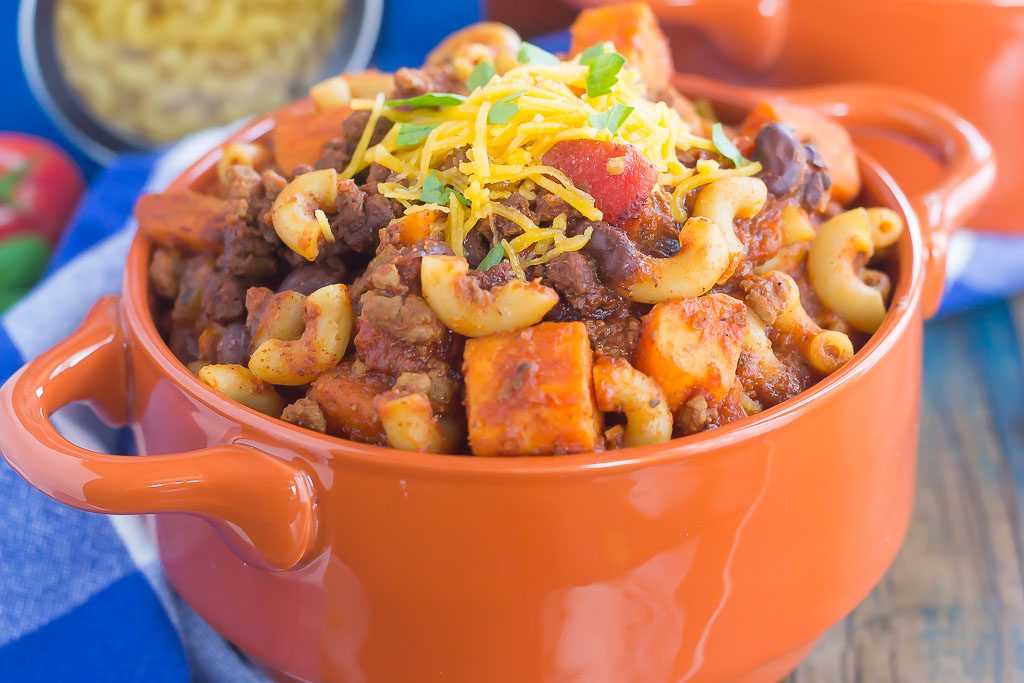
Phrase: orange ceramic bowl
(718, 557)
(965, 53)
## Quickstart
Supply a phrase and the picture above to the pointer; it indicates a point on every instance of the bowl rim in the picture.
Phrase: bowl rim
(903, 309)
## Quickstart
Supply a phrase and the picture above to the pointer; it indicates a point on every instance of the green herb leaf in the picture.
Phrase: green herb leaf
(726, 147)
(413, 133)
(435, 192)
(495, 256)
(531, 54)
(603, 73)
(611, 120)
(481, 75)
(432, 99)
(432, 189)
(504, 109)
(590, 53)
(448, 191)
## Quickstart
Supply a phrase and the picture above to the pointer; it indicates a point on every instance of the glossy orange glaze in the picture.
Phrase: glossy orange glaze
(718, 557)
(965, 53)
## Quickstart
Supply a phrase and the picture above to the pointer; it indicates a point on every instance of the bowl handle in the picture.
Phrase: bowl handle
(968, 163)
(967, 160)
(267, 515)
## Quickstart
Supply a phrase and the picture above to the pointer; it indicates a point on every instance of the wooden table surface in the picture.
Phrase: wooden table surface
(951, 607)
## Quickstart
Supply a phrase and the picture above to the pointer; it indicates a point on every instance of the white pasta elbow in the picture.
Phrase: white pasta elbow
(328, 327)
(239, 384)
(410, 424)
(294, 211)
(621, 388)
(705, 254)
(843, 244)
(332, 93)
(467, 309)
(723, 202)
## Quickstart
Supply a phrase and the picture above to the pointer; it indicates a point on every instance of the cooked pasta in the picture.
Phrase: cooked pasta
(530, 255)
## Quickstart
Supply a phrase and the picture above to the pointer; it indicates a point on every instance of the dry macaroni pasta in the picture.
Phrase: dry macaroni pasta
(162, 69)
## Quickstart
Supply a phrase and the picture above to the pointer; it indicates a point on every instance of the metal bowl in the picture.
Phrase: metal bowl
(353, 47)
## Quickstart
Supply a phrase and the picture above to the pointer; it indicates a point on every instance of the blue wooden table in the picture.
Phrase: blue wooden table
(951, 609)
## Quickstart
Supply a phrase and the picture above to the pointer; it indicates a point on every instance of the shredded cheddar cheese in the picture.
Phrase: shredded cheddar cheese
(504, 158)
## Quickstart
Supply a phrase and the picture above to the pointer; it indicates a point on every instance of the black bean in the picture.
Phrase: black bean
(817, 187)
(308, 279)
(233, 345)
(616, 256)
(782, 158)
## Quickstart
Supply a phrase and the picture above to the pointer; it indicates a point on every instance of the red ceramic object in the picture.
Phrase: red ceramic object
(718, 557)
(965, 53)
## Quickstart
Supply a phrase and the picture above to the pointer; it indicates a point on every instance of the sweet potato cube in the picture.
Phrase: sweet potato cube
(299, 136)
(636, 34)
(692, 346)
(413, 227)
(831, 139)
(182, 219)
(345, 395)
(530, 392)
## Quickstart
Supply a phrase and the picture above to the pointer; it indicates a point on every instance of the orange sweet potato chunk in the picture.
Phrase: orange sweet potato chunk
(636, 34)
(182, 219)
(345, 396)
(692, 346)
(299, 136)
(413, 227)
(831, 139)
(530, 392)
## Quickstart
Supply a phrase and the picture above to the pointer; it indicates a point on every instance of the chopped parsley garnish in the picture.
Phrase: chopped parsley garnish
(531, 54)
(603, 72)
(481, 75)
(593, 51)
(436, 192)
(493, 258)
(611, 120)
(726, 147)
(413, 133)
(504, 109)
(432, 99)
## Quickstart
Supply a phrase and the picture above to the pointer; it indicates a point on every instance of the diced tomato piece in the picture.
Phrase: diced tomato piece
(615, 187)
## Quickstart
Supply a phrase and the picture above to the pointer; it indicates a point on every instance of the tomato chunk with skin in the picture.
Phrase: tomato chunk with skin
(615, 191)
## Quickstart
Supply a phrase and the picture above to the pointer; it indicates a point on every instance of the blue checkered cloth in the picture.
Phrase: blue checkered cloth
(82, 596)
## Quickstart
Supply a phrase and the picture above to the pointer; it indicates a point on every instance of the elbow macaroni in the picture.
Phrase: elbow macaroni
(410, 424)
(474, 312)
(298, 211)
(621, 388)
(836, 260)
(327, 314)
(723, 202)
(705, 255)
(239, 384)
(775, 298)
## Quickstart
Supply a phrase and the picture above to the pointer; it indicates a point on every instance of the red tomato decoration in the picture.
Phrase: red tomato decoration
(39, 187)
(615, 187)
